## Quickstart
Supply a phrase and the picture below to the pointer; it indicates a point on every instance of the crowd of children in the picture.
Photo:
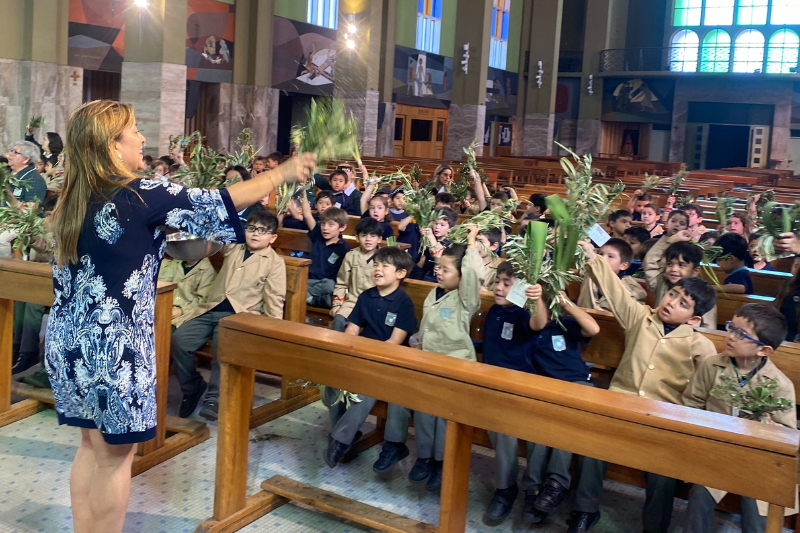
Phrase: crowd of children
(664, 359)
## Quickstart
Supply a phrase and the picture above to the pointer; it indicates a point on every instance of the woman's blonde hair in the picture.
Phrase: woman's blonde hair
(92, 170)
(437, 180)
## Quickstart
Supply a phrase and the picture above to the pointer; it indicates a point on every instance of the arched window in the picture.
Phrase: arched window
(748, 51)
(783, 52)
(687, 12)
(785, 12)
(752, 12)
(683, 55)
(323, 13)
(429, 25)
(718, 13)
(716, 54)
(498, 47)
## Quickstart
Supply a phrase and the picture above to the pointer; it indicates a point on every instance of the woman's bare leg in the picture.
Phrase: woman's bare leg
(80, 481)
(105, 490)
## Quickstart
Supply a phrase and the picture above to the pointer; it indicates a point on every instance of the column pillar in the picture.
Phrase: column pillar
(545, 38)
(33, 67)
(518, 120)
(467, 117)
(154, 70)
(362, 67)
(250, 101)
(606, 22)
(385, 58)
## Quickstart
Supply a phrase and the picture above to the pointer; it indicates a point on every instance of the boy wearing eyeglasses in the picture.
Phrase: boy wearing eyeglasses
(252, 280)
(662, 350)
(754, 333)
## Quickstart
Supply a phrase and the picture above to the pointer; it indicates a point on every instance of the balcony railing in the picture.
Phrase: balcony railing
(640, 59)
(570, 61)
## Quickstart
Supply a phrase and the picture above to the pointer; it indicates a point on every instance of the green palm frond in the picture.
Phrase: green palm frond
(205, 168)
(25, 221)
(36, 121)
(754, 400)
(724, 210)
(9, 181)
(677, 180)
(684, 200)
(652, 182)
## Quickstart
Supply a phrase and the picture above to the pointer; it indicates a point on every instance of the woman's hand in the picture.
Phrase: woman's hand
(295, 168)
(788, 242)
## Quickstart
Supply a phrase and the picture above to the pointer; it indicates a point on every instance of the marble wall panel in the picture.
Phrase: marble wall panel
(234, 107)
(464, 125)
(538, 134)
(517, 136)
(11, 104)
(69, 96)
(385, 142)
(568, 134)
(588, 136)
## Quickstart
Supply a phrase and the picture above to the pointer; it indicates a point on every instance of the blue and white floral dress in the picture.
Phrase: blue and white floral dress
(100, 348)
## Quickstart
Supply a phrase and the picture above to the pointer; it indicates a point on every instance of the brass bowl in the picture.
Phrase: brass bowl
(184, 246)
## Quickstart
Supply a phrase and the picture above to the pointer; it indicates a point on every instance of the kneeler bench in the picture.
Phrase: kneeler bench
(634, 432)
(25, 281)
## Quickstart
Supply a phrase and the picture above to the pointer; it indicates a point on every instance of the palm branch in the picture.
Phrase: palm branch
(25, 221)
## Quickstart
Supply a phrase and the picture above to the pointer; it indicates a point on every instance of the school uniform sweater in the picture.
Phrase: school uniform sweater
(446, 319)
(253, 285)
(654, 365)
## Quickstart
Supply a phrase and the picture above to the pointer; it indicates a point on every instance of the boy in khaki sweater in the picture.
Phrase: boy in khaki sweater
(252, 280)
(670, 260)
(662, 351)
(355, 274)
(194, 279)
(755, 332)
(619, 255)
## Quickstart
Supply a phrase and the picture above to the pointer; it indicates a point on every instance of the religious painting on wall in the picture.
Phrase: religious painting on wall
(638, 100)
(501, 92)
(96, 35)
(422, 78)
(303, 57)
(209, 41)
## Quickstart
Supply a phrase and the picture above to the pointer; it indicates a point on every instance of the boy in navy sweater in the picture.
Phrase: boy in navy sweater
(733, 263)
(327, 253)
(511, 337)
(384, 313)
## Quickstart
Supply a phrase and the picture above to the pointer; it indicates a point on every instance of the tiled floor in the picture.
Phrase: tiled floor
(35, 457)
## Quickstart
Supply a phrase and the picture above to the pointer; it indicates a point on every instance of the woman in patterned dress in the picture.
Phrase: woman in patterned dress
(99, 348)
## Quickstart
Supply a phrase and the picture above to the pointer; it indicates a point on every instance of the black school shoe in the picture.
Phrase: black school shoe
(421, 470)
(530, 514)
(25, 361)
(435, 481)
(335, 452)
(553, 493)
(210, 410)
(391, 454)
(190, 401)
(502, 502)
(580, 522)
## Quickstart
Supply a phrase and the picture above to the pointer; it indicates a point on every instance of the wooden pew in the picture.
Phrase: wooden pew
(296, 240)
(636, 432)
(33, 282)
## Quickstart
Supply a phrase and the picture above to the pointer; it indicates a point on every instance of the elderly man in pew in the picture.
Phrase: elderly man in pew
(252, 280)
(662, 351)
(754, 333)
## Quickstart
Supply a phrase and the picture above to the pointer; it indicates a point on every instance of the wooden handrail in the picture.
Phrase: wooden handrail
(622, 429)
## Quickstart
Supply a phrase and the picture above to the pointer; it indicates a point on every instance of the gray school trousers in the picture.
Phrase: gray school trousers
(339, 323)
(538, 468)
(429, 430)
(659, 495)
(700, 513)
(321, 289)
(191, 336)
(346, 422)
